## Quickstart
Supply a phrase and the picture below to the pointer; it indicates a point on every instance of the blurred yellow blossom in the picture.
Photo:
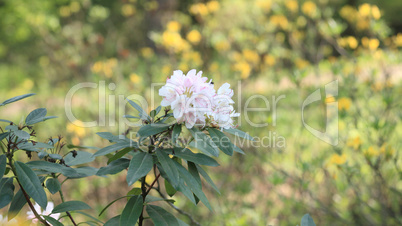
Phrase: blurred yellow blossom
(279, 21)
(166, 69)
(27, 84)
(344, 103)
(222, 45)
(77, 128)
(194, 36)
(372, 152)
(292, 5)
(338, 159)
(301, 63)
(348, 13)
(147, 52)
(251, 56)
(309, 8)
(173, 26)
(200, 9)
(135, 78)
(387, 149)
(174, 41)
(75, 6)
(375, 12)
(64, 11)
(355, 142)
(269, 60)
(127, 10)
(330, 99)
(364, 10)
(213, 6)
(265, 5)
(352, 42)
(105, 67)
(244, 69)
(373, 44)
(398, 39)
(213, 67)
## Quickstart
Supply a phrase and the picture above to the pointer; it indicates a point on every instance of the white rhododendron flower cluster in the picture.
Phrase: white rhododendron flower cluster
(194, 100)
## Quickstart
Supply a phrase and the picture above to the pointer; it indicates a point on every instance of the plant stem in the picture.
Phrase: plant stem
(150, 187)
(144, 194)
(68, 213)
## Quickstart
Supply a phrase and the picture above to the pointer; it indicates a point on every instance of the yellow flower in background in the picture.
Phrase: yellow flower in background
(373, 44)
(309, 8)
(330, 99)
(265, 5)
(222, 45)
(213, 6)
(348, 13)
(279, 21)
(213, 67)
(372, 152)
(375, 12)
(364, 10)
(251, 56)
(398, 39)
(174, 41)
(352, 42)
(269, 60)
(127, 10)
(292, 5)
(338, 159)
(173, 26)
(344, 103)
(363, 24)
(301, 63)
(355, 142)
(147, 52)
(134, 78)
(365, 42)
(387, 149)
(244, 68)
(194, 36)
(77, 128)
(200, 9)
(166, 69)
(75, 6)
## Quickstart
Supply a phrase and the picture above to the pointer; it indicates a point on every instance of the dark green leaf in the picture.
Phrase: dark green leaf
(53, 185)
(114, 147)
(119, 154)
(160, 216)
(192, 168)
(3, 135)
(176, 133)
(6, 191)
(239, 133)
(307, 220)
(237, 149)
(222, 141)
(169, 189)
(3, 164)
(134, 191)
(114, 167)
(169, 167)
(36, 116)
(70, 206)
(17, 98)
(29, 146)
(22, 134)
(108, 205)
(82, 157)
(53, 221)
(203, 142)
(193, 185)
(151, 198)
(140, 165)
(89, 216)
(85, 171)
(115, 221)
(152, 129)
(55, 156)
(112, 138)
(47, 166)
(198, 158)
(31, 183)
(132, 211)
(16, 205)
(142, 113)
(5, 120)
(207, 178)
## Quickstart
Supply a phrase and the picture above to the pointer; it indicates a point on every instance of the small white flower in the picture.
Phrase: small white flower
(47, 211)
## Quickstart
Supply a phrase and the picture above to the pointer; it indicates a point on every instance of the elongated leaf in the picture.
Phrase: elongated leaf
(193, 185)
(152, 129)
(35, 116)
(222, 141)
(192, 169)
(17, 98)
(237, 149)
(53, 185)
(140, 165)
(53, 221)
(31, 183)
(5, 120)
(169, 167)
(119, 154)
(239, 133)
(22, 134)
(207, 178)
(47, 166)
(176, 133)
(28, 146)
(151, 198)
(3, 164)
(142, 113)
(203, 142)
(113, 147)
(89, 216)
(82, 157)
(114, 167)
(3, 135)
(307, 220)
(16, 205)
(198, 158)
(111, 203)
(132, 211)
(114, 221)
(6, 191)
(85, 171)
(111, 137)
(160, 216)
(70, 206)
(169, 189)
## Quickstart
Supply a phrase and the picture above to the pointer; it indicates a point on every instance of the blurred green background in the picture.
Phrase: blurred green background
(265, 47)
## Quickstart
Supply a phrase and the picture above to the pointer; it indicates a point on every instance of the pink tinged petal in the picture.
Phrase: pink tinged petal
(191, 73)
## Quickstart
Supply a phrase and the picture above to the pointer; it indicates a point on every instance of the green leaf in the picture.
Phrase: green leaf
(192, 168)
(176, 133)
(3, 135)
(17, 98)
(307, 220)
(111, 137)
(119, 154)
(140, 165)
(47, 166)
(70, 206)
(111, 203)
(114, 221)
(3, 164)
(198, 158)
(85, 171)
(169, 189)
(53, 185)
(152, 129)
(132, 211)
(142, 113)
(203, 142)
(53, 221)
(55, 156)
(31, 183)
(169, 167)
(134, 191)
(6, 191)
(5, 120)
(193, 185)
(22, 134)
(237, 149)
(114, 167)
(113, 147)
(89, 216)
(71, 146)
(36, 116)
(151, 198)
(160, 216)
(207, 178)
(82, 157)
(222, 141)
(239, 133)
(16, 205)
(29, 146)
